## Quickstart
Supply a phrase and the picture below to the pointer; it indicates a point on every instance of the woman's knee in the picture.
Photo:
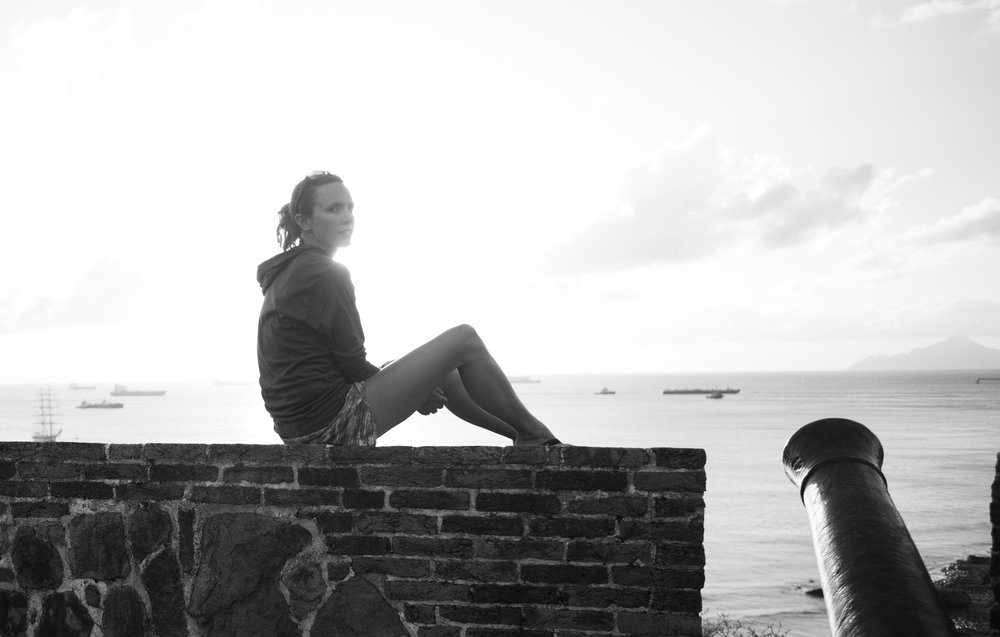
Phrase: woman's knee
(465, 337)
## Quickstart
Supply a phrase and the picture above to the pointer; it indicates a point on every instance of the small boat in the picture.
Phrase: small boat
(605, 392)
(122, 390)
(77, 386)
(727, 390)
(101, 405)
(46, 418)
(715, 394)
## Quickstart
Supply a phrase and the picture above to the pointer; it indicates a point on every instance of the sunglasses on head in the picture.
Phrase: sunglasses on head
(297, 193)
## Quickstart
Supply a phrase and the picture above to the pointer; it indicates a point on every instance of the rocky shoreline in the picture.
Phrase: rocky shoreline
(968, 596)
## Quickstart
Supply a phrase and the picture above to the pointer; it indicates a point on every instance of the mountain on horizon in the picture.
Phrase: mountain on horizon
(957, 352)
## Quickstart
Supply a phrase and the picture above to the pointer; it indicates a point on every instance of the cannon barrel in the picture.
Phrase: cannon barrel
(874, 581)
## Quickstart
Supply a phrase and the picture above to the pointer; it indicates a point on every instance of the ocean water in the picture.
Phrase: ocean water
(940, 432)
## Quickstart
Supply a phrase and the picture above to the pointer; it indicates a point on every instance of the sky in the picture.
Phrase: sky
(596, 186)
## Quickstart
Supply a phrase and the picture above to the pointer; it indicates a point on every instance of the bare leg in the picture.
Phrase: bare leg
(395, 392)
(461, 404)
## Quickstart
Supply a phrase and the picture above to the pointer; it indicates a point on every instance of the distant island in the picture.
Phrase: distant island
(957, 352)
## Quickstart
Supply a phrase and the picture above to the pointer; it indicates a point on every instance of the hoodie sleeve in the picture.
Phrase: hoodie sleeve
(340, 321)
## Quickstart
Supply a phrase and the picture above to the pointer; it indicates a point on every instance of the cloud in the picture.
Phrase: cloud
(689, 201)
(48, 56)
(934, 9)
(110, 293)
(976, 223)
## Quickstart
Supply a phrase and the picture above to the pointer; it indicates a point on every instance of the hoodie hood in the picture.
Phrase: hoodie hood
(269, 270)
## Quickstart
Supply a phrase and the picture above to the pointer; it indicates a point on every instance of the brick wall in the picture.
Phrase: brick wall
(247, 540)
(995, 555)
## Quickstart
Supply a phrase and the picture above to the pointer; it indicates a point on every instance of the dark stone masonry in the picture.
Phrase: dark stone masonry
(179, 540)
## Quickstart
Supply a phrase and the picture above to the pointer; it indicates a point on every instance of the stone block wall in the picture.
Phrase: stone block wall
(309, 541)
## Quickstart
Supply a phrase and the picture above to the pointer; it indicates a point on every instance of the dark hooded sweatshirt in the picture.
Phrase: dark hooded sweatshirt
(310, 345)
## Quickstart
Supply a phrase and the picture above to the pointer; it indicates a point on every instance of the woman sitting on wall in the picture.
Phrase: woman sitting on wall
(316, 382)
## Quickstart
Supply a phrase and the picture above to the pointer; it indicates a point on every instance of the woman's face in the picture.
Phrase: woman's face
(332, 221)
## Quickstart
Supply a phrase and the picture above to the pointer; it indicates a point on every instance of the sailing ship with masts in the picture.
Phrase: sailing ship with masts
(45, 413)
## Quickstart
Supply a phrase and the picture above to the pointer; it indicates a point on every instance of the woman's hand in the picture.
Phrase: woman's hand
(435, 401)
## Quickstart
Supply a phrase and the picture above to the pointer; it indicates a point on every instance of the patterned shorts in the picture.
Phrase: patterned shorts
(354, 425)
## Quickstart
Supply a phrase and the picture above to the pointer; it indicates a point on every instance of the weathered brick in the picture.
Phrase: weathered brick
(124, 452)
(370, 455)
(678, 530)
(361, 499)
(226, 495)
(175, 451)
(476, 571)
(241, 453)
(429, 499)
(433, 546)
(78, 451)
(680, 458)
(518, 502)
(427, 591)
(304, 454)
(457, 455)
(149, 491)
(401, 476)
(116, 471)
(473, 631)
(514, 594)
(675, 507)
(482, 525)
(572, 527)
(578, 480)
(605, 597)
(656, 576)
(84, 490)
(419, 613)
(679, 481)
(610, 552)
(620, 506)
(394, 566)
(19, 450)
(49, 470)
(605, 457)
(439, 631)
(328, 476)
(488, 478)
(658, 624)
(492, 615)
(396, 523)
(588, 620)
(303, 497)
(564, 574)
(20, 489)
(680, 554)
(676, 600)
(330, 521)
(357, 545)
(530, 455)
(522, 549)
(37, 509)
(258, 475)
(183, 473)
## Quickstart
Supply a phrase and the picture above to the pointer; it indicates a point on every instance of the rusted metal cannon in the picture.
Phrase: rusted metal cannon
(874, 580)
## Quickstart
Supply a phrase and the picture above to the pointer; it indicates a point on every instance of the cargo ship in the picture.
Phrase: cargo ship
(101, 405)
